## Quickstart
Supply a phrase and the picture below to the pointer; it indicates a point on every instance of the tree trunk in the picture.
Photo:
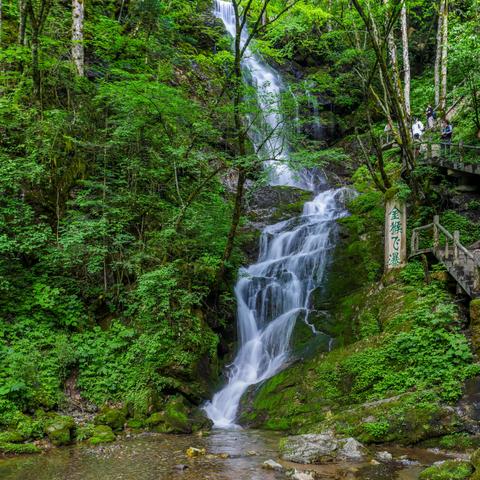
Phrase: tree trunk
(35, 67)
(444, 63)
(438, 55)
(392, 94)
(22, 21)
(78, 55)
(406, 60)
(392, 50)
(241, 146)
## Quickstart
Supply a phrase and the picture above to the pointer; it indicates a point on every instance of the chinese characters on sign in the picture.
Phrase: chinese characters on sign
(395, 239)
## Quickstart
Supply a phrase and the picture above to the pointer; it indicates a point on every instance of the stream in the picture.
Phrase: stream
(231, 455)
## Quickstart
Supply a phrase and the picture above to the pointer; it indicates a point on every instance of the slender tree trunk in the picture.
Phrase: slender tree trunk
(444, 63)
(22, 21)
(35, 65)
(393, 95)
(406, 59)
(392, 50)
(438, 54)
(241, 146)
(78, 55)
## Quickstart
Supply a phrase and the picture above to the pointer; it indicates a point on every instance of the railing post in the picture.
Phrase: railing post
(429, 151)
(456, 242)
(436, 222)
(413, 243)
(460, 151)
(447, 252)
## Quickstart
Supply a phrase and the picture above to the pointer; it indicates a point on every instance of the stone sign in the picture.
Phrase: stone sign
(395, 234)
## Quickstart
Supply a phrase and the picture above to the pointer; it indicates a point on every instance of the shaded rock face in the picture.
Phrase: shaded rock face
(320, 448)
(268, 205)
(178, 417)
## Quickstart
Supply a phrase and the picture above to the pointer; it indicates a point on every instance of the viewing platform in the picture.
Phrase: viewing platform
(456, 157)
(461, 262)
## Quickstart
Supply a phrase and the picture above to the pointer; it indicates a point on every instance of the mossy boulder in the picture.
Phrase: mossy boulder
(178, 416)
(115, 418)
(135, 423)
(449, 470)
(175, 418)
(102, 434)
(11, 436)
(18, 448)
(60, 429)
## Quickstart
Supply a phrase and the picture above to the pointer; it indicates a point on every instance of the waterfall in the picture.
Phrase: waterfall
(318, 130)
(275, 292)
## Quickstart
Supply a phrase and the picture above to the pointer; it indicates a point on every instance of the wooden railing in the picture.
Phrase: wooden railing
(461, 263)
(451, 151)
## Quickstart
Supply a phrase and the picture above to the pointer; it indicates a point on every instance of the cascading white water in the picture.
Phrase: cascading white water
(274, 292)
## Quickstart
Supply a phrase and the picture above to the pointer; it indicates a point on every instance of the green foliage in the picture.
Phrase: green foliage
(469, 231)
(99, 280)
(377, 430)
(448, 470)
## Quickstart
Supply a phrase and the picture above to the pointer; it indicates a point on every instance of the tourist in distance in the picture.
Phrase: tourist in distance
(446, 136)
(430, 113)
(417, 129)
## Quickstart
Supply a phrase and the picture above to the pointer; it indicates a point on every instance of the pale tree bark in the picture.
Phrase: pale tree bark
(438, 54)
(406, 59)
(394, 105)
(392, 50)
(444, 63)
(22, 21)
(78, 54)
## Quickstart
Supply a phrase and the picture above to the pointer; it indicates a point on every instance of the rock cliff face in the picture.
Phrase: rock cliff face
(268, 205)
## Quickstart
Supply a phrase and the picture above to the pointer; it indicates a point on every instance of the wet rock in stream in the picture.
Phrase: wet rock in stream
(319, 448)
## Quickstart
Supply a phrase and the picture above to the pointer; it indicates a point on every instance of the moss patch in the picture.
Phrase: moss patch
(449, 470)
(18, 448)
(102, 434)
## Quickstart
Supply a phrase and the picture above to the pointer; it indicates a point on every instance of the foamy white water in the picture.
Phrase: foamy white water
(274, 293)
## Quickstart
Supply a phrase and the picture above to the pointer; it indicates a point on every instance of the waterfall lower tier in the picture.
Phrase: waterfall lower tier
(274, 293)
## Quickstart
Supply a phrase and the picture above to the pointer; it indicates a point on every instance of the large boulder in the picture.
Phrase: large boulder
(320, 448)
(60, 429)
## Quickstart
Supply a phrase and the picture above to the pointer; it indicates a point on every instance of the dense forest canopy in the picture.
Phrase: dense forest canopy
(126, 166)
